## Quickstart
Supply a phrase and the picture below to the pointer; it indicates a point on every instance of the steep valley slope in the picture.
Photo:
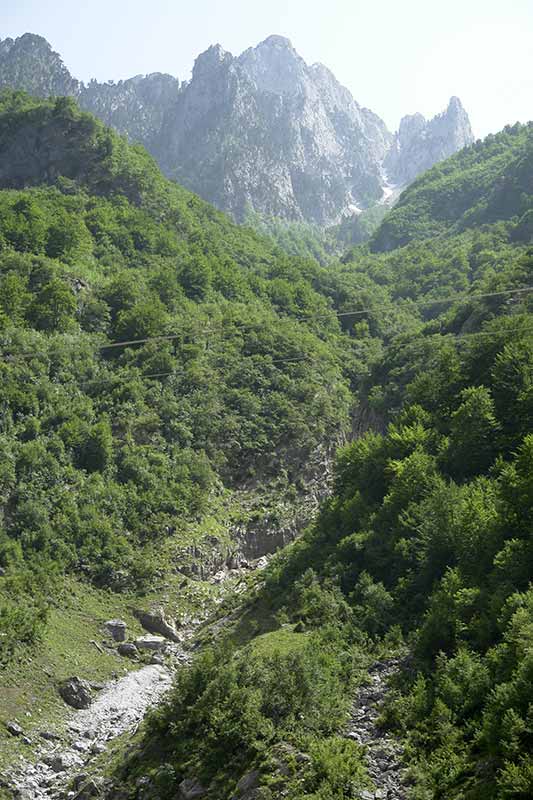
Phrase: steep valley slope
(173, 389)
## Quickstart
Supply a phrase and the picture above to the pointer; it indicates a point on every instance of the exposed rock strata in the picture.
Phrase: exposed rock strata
(262, 132)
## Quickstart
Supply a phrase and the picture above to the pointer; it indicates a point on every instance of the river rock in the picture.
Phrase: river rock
(14, 728)
(61, 762)
(191, 790)
(49, 736)
(79, 780)
(150, 643)
(128, 650)
(117, 629)
(76, 693)
(81, 746)
(24, 794)
(92, 789)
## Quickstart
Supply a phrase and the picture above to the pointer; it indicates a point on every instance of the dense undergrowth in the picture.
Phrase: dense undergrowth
(236, 364)
(427, 538)
(104, 450)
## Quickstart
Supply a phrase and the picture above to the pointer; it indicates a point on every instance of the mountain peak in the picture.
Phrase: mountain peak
(455, 105)
(420, 143)
(276, 41)
(262, 131)
(210, 60)
(30, 63)
(411, 124)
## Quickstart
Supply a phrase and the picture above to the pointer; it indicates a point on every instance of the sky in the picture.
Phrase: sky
(396, 56)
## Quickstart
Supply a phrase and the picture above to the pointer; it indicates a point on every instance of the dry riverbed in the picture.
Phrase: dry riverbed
(118, 709)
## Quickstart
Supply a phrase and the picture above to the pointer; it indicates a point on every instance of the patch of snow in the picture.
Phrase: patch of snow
(390, 190)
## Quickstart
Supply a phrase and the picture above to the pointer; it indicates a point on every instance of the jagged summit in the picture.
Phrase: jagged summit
(421, 143)
(210, 60)
(262, 131)
(455, 104)
(275, 40)
(29, 63)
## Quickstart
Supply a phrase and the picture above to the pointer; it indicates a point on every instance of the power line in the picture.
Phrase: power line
(451, 336)
(440, 301)
(310, 317)
(340, 314)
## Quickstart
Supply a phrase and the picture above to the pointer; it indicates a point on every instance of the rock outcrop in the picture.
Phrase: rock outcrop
(29, 63)
(262, 132)
(156, 622)
(419, 143)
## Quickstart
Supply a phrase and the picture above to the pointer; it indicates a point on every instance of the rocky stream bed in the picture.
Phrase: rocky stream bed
(68, 759)
(384, 753)
(65, 767)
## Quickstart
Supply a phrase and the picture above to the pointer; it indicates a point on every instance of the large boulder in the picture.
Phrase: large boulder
(155, 621)
(76, 693)
(14, 728)
(61, 762)
(117, 629)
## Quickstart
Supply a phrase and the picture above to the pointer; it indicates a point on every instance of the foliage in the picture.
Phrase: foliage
(429, 525)
(488, 181)
(244, 372)
(105, 448)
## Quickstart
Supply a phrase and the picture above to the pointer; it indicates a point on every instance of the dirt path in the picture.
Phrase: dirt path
(119, 708)
(383, 752)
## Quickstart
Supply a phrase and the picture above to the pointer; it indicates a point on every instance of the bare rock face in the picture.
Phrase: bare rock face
(266, 132)
(135, 107)
(419, 143)
(262, 132)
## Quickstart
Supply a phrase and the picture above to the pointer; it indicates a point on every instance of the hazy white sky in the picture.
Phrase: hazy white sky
(396, 56)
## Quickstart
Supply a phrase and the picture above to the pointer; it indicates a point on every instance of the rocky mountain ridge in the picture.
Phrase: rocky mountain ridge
(262, 132)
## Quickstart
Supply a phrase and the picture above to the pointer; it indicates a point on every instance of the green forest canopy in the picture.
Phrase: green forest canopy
(274, 357)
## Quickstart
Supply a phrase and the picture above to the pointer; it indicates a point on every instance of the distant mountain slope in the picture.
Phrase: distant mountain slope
(490, 181)
(263, 132)
(421, 143)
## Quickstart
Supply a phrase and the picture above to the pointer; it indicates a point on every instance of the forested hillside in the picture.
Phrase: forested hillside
(104, 445)
(488, 181)
(424, 549)
(157, 359)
